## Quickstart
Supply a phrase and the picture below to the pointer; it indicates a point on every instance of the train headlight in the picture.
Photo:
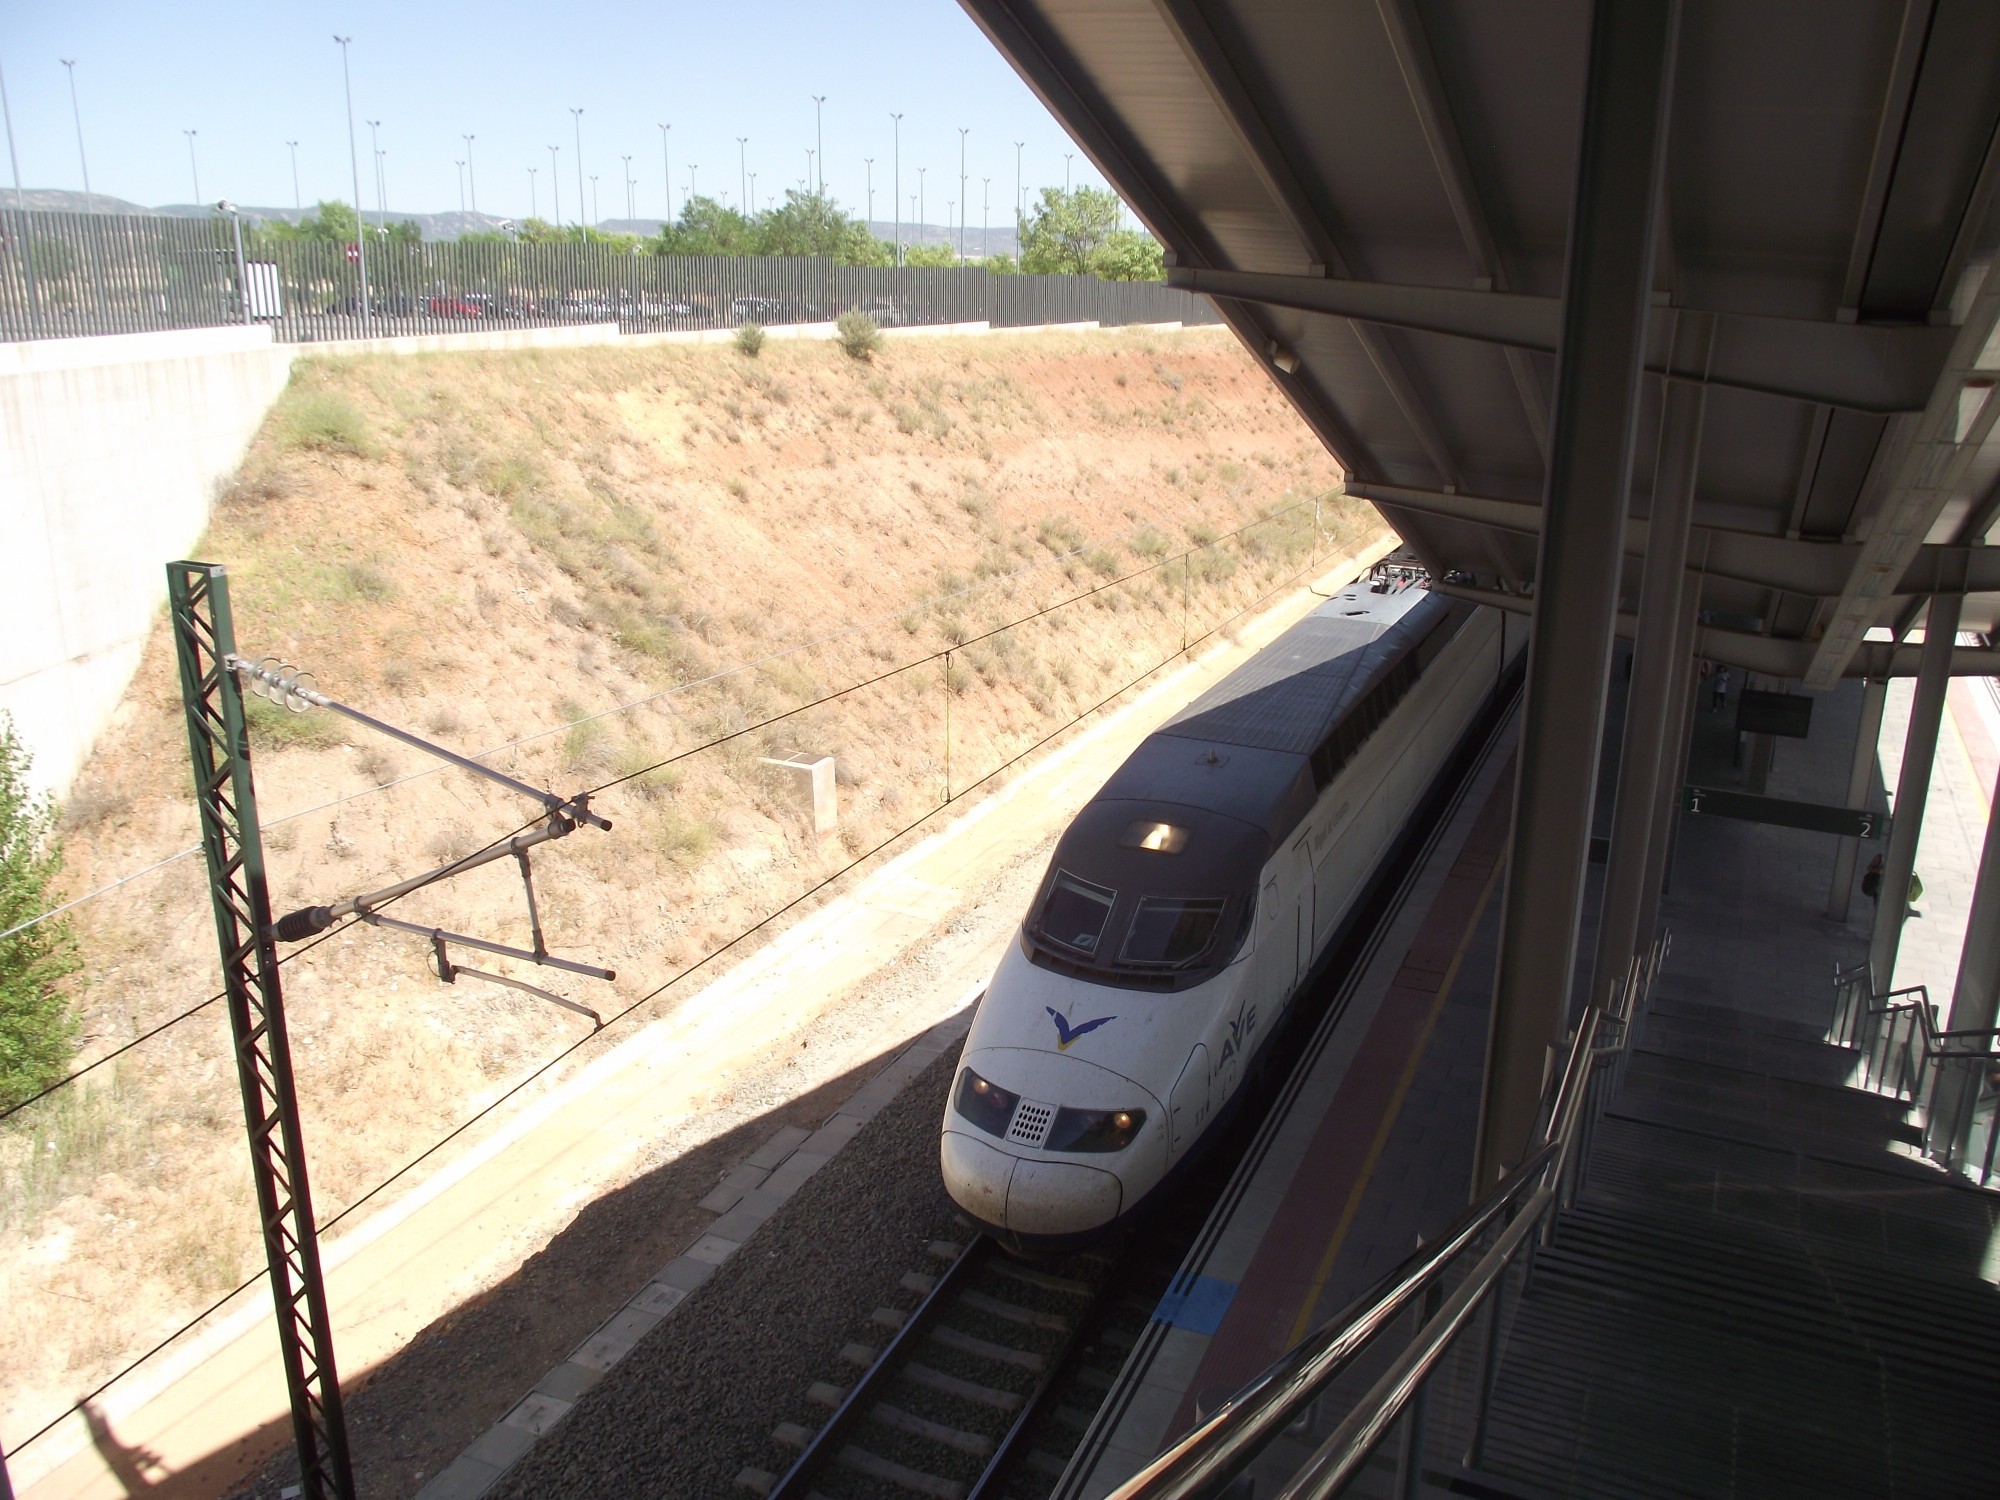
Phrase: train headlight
(1094, 1129)
(986, 1105)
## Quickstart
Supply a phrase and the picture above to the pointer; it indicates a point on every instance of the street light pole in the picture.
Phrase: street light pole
(667, 171)
(534, 208)
(963, 130)
(868, 163)
(576, 120)
(471, 175)
(193, 169)
(810, 156)
(298, 203)
(693, 167)
(743, 174)
(1020, 201)
(896, 188)
(819, 141)
(381, 205)
(596, 218)
(631, 207)
(242, 271)
(461, 195)
(7, 113)
(920, 203)
(76, 113)
(354, 170)
(555, 186)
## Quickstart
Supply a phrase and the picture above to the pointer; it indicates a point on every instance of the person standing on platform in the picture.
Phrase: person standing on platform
(1720, 700)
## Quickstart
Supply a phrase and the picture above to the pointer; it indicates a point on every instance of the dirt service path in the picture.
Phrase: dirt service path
(807, 1008)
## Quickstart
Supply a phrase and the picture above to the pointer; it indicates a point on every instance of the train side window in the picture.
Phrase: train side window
(1075, 913)
(1270, 900)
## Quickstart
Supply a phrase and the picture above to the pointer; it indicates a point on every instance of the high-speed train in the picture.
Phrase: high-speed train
(1191, 900)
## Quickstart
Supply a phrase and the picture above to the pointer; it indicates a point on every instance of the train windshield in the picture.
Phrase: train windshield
(1171, 932)
(1075, 913)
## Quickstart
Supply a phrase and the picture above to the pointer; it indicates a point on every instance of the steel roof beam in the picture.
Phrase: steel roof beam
(1927, 472)
(1048, 70)
(1235, 95)
(1761, 653)
(1412, 46)
(1791, 565)
(1872, 367)
(1891, 120)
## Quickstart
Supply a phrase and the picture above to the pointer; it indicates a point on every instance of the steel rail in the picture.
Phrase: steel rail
(794, 1484)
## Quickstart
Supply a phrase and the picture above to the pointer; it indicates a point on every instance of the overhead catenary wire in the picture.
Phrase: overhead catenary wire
(196, 1009)
(733, 670)
(923, 661)
(701, 963)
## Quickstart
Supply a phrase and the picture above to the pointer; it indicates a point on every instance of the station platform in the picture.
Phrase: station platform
(1371, 1147)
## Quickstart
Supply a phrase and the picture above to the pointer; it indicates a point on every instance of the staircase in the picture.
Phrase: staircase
(1759, 1291)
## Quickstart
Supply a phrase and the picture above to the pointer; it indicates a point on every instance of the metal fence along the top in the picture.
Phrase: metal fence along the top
(66, 275)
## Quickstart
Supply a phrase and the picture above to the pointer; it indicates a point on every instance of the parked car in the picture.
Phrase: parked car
(883, 310)
(447, 306)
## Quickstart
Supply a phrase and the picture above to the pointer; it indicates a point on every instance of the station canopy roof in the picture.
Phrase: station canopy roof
(1378, 194)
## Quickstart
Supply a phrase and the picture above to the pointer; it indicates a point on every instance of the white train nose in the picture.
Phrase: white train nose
(1026, 1197)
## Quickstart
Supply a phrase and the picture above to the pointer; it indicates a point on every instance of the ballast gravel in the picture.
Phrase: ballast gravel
(695, 1402)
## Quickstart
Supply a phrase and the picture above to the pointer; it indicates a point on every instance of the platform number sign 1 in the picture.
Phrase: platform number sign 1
(1814, 817)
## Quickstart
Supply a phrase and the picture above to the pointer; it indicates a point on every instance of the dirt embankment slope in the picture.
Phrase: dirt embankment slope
(602, 560)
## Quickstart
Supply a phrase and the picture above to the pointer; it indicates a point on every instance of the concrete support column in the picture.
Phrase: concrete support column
(1607, 289)
(1650, 726)
(1673, 774)
(1976, 999)
(1913, 785)
(1874, 697)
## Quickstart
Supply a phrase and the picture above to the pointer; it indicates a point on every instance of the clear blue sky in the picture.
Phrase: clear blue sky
(248, 77)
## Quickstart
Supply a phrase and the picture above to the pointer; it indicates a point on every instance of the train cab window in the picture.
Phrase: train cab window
(1171, 931)
(1158, 838)
(1075, 913)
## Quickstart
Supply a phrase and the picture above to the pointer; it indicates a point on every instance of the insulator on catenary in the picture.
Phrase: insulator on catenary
(281, 682)
(307, 921)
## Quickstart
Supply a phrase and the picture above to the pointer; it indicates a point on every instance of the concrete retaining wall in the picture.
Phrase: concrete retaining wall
(569, 336)
(111, 452)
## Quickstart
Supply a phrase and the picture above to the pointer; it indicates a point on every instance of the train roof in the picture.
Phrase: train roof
(1243, 748)
(1290, 695)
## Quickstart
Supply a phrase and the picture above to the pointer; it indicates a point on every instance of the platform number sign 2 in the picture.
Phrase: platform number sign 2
(1784, 812)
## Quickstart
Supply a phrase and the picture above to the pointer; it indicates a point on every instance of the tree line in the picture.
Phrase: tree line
(1067, 232)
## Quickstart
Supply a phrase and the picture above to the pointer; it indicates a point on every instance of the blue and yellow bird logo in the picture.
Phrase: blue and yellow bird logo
(1066, 1033)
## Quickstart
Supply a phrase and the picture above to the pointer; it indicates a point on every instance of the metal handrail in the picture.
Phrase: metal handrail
(1900, 1026)
(1216, 1450)
(1340, 1458)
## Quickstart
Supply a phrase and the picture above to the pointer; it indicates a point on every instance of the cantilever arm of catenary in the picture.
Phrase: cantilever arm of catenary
(284, 684)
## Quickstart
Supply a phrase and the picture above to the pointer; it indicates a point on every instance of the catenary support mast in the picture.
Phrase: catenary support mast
(204, 636)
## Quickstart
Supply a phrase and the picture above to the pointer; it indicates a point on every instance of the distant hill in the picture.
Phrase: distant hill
(999, 238)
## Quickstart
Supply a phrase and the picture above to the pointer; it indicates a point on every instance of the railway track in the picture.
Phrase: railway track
(987, 1387)
(938, 1407)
